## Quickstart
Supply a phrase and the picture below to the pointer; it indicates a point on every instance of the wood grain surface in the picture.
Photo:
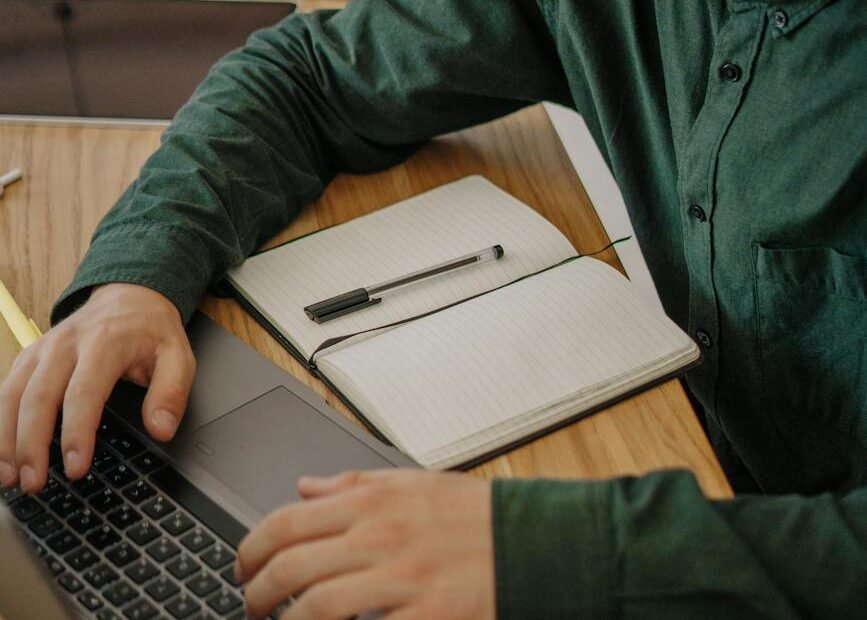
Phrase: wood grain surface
(75, 173)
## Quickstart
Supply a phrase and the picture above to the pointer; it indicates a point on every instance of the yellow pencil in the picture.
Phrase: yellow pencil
(25, 330)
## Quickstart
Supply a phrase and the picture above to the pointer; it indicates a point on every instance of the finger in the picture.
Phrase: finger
(11, 391)
(315, 486)
(92, 381)
(37, 416)
(405, 613)
(166, 398)
(351, 594)
(292, 570)
(291, 525)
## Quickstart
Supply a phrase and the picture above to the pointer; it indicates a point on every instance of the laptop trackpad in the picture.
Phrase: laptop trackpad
(261, 449)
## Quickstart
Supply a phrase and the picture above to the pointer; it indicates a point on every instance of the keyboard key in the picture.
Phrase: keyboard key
(8, 495)
(105, 500)
(141, 609)
(100, 575)
(26, 508)
(103, 537)
(84, 520)
(158, 507)
(182, 607)
(141, 571)
(183, 566)
(119, 593)
(177, 524)
(217, 557)
(139, 492)
(90, 600)
(44, 524)
(122, 554)
(163, 549)
(62, 542)
(87, 486)
(197, 539)
(123, 517)
(108, 428)
(126, 444)
(55, 566)
(162, 588)
(64, 504)
(51, 488)
(70, 583)
(203, 583)
(143, 532)
(81, 559)
(103, 460)
(40, 550)
(107, 614)
(120, 476)
(147, 462)
(224, 601)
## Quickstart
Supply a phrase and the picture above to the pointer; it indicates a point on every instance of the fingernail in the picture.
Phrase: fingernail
(28, 478)
(165, 420)
(7, 474)
(237, 570)
(72, 462)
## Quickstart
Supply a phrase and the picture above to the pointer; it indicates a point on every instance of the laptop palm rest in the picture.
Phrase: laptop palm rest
(260, 450)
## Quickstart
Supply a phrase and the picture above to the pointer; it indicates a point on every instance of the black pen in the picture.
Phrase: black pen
(345, 303)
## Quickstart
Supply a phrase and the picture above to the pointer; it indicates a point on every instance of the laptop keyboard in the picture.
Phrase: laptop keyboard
(133, 539)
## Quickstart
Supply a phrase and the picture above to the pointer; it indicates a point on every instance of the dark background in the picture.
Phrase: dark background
(116, 58)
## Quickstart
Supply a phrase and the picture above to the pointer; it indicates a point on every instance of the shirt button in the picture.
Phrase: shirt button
(703, 338)
(730, 71)
(781, 19)
(697, 212)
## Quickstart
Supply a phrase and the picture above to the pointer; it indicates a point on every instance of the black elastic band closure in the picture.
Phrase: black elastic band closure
(338, 339)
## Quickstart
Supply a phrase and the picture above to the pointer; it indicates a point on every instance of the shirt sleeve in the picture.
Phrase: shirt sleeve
(355, 90)
(655, 547)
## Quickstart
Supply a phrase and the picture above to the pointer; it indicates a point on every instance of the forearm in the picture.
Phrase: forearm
(654, 547)
(274, 121)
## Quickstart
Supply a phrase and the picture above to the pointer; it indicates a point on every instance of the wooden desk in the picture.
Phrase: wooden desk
(74, 174)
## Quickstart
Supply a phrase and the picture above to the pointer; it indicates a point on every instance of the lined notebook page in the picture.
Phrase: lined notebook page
(445, 223)
(475, 377)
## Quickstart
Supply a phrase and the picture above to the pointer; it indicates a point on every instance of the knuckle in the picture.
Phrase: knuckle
(79, 392)
(387, 534)
(36, 397)
(435, 607)
(321, 601)
(282, 572)
(25, 358)
(415, 568)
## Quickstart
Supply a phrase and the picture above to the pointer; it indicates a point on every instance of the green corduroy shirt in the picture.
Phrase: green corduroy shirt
(737, 131)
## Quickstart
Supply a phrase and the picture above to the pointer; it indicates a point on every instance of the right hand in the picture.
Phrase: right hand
(123, 331)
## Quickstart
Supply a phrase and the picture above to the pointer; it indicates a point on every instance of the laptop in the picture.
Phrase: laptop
(151, 532)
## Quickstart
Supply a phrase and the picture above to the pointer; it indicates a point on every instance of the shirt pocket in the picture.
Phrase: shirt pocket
(811, 307)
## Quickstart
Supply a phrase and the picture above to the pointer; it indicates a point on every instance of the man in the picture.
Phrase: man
(736, 130)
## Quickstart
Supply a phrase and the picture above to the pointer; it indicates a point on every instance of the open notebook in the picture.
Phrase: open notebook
(482, 358)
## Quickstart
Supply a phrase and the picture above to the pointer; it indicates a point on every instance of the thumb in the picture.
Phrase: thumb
(167, 394)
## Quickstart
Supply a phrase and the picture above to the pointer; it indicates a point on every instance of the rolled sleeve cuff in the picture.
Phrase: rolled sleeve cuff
(170, 260)
(553, 545)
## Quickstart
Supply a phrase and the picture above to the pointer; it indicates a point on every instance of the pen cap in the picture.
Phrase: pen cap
(337, 305)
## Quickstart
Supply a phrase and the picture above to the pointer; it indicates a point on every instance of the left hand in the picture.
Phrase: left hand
(412, 544)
